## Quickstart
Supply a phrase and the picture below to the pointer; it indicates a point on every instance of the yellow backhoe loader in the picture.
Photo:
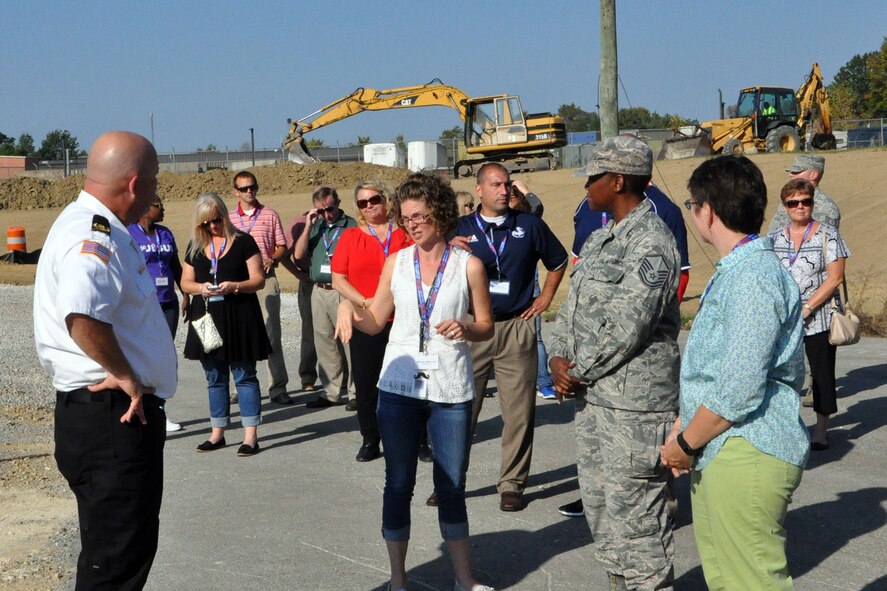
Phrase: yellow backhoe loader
(765, 119)
(496, 128)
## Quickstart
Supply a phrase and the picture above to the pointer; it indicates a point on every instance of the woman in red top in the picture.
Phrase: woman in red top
(356, 267)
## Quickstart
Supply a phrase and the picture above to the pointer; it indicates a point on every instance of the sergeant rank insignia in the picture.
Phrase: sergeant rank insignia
(654, 271)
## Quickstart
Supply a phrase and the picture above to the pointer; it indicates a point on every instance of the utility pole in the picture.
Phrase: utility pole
(252, 142)
(152, 131)
(608, 92)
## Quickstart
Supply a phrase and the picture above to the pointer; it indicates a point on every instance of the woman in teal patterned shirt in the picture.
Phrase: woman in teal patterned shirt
(742, 440)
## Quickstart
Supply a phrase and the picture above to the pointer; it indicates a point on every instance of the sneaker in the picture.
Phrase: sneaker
(574, 509)
(172, 427)
(547, 393)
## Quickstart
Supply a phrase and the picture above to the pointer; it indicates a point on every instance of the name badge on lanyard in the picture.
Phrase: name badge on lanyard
(161, 281)
(326, 269)
(499, 287)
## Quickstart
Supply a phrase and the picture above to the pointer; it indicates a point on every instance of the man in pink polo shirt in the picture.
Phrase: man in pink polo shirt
(263, 224)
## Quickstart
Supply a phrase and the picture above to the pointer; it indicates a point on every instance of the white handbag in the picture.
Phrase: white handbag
(207, 333)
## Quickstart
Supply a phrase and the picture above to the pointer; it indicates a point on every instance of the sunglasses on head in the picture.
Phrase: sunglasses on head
(374, 200)
(793, 203)
(209, 223)
(254, 188)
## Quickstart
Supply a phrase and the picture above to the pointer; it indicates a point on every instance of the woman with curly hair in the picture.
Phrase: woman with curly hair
(426, 377)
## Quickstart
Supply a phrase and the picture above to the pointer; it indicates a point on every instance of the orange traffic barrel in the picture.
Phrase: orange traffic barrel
(15, 239)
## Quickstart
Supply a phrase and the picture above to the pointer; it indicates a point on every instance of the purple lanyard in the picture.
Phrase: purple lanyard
(157, 246)
(214, 261)
(788, 235)
(328, 244)
(603, 219)
(385, 245)
(711, 281)
(426, 305)
(489, 240)
(252, 223)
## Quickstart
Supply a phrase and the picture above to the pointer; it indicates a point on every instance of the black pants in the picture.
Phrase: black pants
(821, 356)
(116, 472)
(367, 354)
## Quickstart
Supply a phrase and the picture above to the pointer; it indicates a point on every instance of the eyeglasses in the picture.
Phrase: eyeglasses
(689, 203)
(374, 200)
(211, 222)
(330, 209)
(793, 203)
(416, 218)
(254, 188)
(158, 205)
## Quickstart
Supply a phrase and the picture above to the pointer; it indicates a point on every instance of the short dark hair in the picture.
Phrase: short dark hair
(244, 174)
(482, 171)
(796, 186)
(636, 183)
(323, 192)
(734, 188)
(437, 194)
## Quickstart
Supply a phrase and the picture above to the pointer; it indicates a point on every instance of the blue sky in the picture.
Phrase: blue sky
(209, 71)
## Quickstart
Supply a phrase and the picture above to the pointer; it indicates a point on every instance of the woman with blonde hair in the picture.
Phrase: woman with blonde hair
(356, 267)
(224, 266)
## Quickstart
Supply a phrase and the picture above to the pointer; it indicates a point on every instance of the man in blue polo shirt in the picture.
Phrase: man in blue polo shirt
(510, 244)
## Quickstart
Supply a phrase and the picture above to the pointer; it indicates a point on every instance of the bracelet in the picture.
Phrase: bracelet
(806, 305)
(686, 446)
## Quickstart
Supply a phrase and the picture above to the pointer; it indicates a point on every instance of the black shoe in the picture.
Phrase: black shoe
(210, 446)
(432, 500)
(511, 501)
(283, 398)
(574, 509)
(321, 402)
(351, 406)
(368, 452)
(245, 451)
(425, 453)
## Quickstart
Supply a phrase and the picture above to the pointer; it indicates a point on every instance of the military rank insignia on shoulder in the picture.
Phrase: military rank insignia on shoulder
(653, 271)
(101, 224)
(96, 249)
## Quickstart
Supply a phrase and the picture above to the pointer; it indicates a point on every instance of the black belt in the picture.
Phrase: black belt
(107, 397)
(326, 286)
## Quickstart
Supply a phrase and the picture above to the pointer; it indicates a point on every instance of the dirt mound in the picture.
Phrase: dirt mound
(20, 193)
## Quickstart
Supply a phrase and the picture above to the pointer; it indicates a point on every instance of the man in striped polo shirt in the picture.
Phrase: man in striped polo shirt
(263, 224)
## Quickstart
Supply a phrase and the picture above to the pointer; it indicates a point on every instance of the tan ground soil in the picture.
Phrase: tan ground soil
(35, 501)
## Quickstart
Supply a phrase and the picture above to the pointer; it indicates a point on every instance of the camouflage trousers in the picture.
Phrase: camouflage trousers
(623, 491)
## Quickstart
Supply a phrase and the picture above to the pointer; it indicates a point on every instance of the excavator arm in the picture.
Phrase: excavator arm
(435, 93)
(812, 97)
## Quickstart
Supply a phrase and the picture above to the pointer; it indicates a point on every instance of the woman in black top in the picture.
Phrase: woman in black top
(224, 266)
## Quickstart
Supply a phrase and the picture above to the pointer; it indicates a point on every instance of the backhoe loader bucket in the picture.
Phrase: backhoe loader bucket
(685, 147)
(298, 153)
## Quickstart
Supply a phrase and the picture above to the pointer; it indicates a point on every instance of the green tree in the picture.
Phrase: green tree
(876, 94)
(400, 142)
(55, 143)
(851, 85)
(453, 133)
(315, 143)
(576, 119)
(363, 140)
(7, 145)
(25, 145)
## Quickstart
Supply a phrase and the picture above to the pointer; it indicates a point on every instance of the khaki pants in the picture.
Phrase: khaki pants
(269, 301)
(513, 355)
(333, 359)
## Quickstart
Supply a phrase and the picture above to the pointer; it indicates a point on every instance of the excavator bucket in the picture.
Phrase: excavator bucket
(684, 146)
(298, 153)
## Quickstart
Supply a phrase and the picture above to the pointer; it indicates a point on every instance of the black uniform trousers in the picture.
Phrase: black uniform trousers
(367, 355)
(116, 472)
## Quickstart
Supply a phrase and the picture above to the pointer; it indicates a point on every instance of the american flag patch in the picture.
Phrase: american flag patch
(94, 248)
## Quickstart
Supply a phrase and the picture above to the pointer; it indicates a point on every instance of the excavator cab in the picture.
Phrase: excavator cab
(769, 108)
(494, 121)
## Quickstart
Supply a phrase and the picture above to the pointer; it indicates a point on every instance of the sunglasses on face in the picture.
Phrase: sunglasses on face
(793, 203)
(211, 222)
(252, 188)
(158, 205)
(374, 200)
(330, 209)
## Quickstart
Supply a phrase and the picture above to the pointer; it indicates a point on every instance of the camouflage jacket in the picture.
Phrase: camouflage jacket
(824, 210)
(620, 320)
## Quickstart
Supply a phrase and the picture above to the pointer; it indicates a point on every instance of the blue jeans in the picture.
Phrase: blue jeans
(401, 423)
(248, 393)
(543, 376)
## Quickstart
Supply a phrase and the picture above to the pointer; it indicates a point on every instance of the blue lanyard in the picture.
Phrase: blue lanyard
(426, 305)
(711, 281)
(489, 240)
(214, 261)
(385, 245)
(794, 255)
(252, 223)
(328, 244)
(603, 219)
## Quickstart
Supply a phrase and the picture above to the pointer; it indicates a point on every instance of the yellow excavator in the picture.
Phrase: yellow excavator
(496, 127)
(765, 119)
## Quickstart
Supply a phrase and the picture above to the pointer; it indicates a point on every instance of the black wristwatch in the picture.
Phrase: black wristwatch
(686, 446)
